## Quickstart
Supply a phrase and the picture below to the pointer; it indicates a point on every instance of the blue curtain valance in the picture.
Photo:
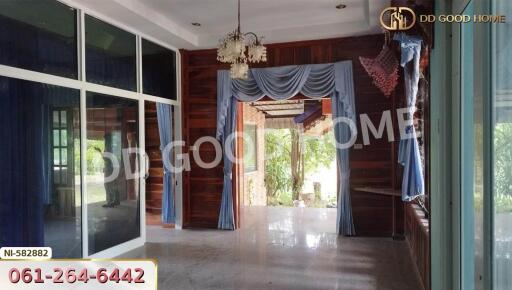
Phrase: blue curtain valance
(281, 83)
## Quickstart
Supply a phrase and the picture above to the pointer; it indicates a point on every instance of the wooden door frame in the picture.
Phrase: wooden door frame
(238, 167)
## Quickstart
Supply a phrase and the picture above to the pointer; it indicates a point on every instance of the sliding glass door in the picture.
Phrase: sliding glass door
(112, 181)
(72, 93)
(40, 194)
(502, 148)
(486, 150)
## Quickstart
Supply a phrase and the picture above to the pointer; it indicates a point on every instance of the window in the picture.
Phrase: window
(250, 148)
(60, 146)
(40, 36)
(159, 70)
(110, 55)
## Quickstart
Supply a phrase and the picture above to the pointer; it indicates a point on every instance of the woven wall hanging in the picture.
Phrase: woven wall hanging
(383, 69)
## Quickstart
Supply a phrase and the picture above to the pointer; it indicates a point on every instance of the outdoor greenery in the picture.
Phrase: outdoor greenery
(278, 179)
(94, 160)
(503, 167)
(317, 152)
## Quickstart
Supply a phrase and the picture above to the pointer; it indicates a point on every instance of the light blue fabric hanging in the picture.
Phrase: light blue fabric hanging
(343, 105)
(413, 183)
(226, 216)
(165, 128)
(281, 83)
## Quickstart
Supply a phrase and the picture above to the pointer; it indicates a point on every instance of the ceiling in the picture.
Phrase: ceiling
(276, 20)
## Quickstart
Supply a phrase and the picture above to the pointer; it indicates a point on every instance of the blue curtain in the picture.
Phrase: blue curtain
(413, 183)
(165, 128)
(280, 83)
(342, 133)
(226, 216)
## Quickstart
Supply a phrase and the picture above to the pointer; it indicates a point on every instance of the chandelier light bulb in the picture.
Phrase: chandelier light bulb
(239, 70)
(257, 53)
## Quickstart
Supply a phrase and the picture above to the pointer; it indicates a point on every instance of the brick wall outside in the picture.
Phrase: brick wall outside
(254, 182)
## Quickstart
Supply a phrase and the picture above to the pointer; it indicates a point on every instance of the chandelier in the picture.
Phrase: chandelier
(239, 48)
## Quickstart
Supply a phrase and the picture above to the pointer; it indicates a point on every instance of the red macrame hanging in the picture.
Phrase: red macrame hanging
(383, 69)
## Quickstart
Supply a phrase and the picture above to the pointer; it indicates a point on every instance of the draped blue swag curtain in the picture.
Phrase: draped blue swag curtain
(413, 183)
(281, 83)
(165, 128)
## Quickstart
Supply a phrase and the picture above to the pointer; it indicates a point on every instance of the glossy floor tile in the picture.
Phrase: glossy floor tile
(278, 248)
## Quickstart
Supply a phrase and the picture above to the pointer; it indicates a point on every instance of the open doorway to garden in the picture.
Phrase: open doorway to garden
(289, 154)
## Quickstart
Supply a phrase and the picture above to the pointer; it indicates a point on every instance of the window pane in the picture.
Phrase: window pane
(64, 137)
(51, 215)
(502, 151)
(56, 156)
(159, 70)
(63, 119)
(64, 156)
(110, 55)
(56, 138)
(39, 36)
(56, 121)
(113, 209)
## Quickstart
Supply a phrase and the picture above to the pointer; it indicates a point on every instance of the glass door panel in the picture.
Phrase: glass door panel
(502, 148)
(113, 199)
(40, 167)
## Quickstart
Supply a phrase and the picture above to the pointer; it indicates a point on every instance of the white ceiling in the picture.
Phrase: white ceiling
(276, 20)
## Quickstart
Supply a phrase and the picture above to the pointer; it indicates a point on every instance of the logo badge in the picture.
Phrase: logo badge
(397, 18)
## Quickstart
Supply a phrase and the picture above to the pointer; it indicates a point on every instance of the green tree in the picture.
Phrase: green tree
(319, 152)
(313, 153)
(503, 158)
(277, 162)
(503, 167)
(297, 165)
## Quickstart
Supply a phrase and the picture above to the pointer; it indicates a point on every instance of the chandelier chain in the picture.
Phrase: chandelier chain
(238, 50)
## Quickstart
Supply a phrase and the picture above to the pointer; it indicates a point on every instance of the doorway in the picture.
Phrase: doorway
(155, 173)
(289, 158)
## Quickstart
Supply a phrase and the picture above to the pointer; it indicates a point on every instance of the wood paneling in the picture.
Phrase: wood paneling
(373, 165)
(418, 238)
(154, 184)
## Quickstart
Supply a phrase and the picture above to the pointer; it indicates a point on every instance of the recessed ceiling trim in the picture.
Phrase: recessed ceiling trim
(280, 21)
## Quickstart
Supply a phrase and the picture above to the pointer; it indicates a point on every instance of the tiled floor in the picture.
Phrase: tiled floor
(278, 248)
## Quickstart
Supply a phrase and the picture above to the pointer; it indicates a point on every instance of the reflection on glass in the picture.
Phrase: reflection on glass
(159, 70)
(40, 36)
(502, 150)
(40, 194)
(112, 191)
(110, 55)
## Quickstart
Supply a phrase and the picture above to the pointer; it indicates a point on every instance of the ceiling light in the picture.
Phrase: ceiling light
(238, 48)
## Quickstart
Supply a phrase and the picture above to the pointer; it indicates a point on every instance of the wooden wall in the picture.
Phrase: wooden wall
(417, 233)
(154, 184)
(373, 165)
